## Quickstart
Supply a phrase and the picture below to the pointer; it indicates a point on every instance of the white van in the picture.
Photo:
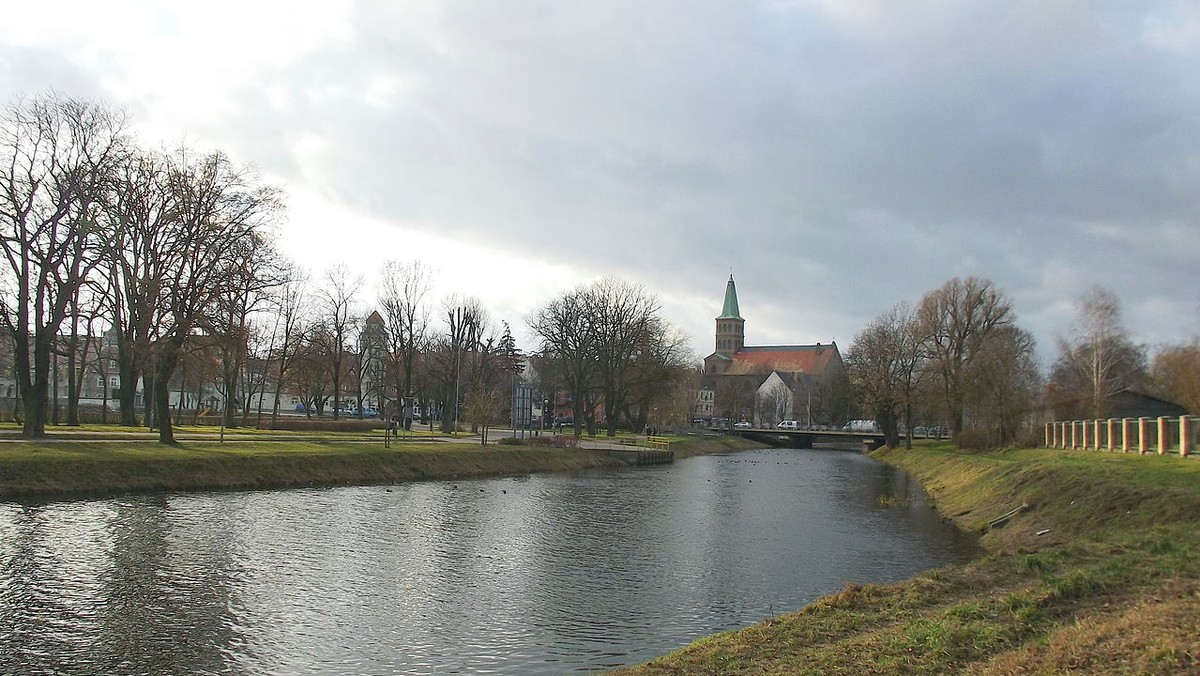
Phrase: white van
(861, 426)
(788, 425)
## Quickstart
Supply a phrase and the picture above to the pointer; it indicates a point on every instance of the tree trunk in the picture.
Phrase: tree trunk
(162, 406)
(165, 362)
(34, 387)
(34, 407)
(72, 383)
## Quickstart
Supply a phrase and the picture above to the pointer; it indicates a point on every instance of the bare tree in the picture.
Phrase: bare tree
(309, 372)
(663, 363)
(218, 213)
(625, 317)
(138, 220)
(55, 156)
(81, 345)
(1010, 379)
(957, 320)
(884, 365)
(288, 329)
(336, 312)
(256, 371)
(466, 323)
(608, 339)
(402, 297)
(774, 403)
(1176, 374)
(1101, 360)
(569, 341)
(484, 407)
(736, 396)
(254, 269)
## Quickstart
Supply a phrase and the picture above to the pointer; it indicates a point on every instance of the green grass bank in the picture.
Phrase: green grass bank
(1095, 570)
(78, 466)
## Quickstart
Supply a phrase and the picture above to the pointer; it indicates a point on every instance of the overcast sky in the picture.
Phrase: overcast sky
(837, 156)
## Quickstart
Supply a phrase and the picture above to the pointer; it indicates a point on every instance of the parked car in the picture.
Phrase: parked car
(742, 425)
(788, 425)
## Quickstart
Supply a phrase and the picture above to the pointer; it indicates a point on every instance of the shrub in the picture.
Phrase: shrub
(321, 425)
(555, 441)
(973, 440)
(509, 441)
(1030, 439)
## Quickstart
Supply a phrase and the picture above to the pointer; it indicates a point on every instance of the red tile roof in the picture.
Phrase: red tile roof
(811, 359)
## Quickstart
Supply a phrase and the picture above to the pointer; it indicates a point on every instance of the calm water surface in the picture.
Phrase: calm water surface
(542, 574)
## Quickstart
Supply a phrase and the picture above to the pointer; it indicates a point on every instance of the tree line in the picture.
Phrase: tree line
(168, 259)
(959, 356)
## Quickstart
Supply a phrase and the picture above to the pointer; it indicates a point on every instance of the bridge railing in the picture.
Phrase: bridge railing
(1144, 435)
(662, 443)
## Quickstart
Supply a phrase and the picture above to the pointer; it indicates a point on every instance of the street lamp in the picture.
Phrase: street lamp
(457, 377)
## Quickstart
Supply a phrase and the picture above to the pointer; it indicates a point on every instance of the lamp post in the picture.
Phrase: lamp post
(457, 377)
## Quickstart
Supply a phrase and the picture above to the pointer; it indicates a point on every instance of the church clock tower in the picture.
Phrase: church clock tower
(730, 325)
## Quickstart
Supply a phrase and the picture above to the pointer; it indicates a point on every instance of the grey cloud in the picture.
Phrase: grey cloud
(839, 157)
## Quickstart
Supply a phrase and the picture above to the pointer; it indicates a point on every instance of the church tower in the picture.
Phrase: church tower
(730, 325)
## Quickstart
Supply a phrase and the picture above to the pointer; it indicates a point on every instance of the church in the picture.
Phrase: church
(768, 384)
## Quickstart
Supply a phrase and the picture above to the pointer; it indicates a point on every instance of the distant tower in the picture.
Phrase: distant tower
(730, 325)
(373, 350)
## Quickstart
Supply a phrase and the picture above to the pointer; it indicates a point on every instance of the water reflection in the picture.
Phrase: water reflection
(540, 574)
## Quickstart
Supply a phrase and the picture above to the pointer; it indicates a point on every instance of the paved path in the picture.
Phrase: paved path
(69, 435)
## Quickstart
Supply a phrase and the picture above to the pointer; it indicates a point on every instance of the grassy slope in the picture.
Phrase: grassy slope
(1113, 585)
(81, 467)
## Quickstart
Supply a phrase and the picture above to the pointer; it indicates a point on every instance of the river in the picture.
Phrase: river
(552, 573)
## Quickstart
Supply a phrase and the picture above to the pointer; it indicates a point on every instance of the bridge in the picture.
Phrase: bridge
(806, 438)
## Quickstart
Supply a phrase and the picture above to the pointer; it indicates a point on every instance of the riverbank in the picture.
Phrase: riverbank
(79, 466)
(1092, 565)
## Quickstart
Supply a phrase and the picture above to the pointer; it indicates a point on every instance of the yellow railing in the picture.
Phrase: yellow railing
(663, 443)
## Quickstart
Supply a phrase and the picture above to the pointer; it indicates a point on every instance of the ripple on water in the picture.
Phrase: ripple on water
(544, 574)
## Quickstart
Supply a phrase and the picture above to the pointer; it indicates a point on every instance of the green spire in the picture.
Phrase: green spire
(730, 311)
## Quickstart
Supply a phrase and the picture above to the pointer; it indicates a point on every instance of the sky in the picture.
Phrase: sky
(836, 156)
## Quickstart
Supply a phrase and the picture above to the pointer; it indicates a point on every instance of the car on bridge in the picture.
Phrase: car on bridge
(742, 425)
(788, 425)
(861, 426)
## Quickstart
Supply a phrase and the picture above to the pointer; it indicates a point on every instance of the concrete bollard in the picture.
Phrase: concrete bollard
(1164, 436)
(1086, 442)
(1185, 435)
(1096, 442)
(1112, 434)
(1126, 424)
(1143, 435)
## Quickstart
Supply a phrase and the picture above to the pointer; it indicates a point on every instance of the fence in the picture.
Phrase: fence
(1144, 435)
